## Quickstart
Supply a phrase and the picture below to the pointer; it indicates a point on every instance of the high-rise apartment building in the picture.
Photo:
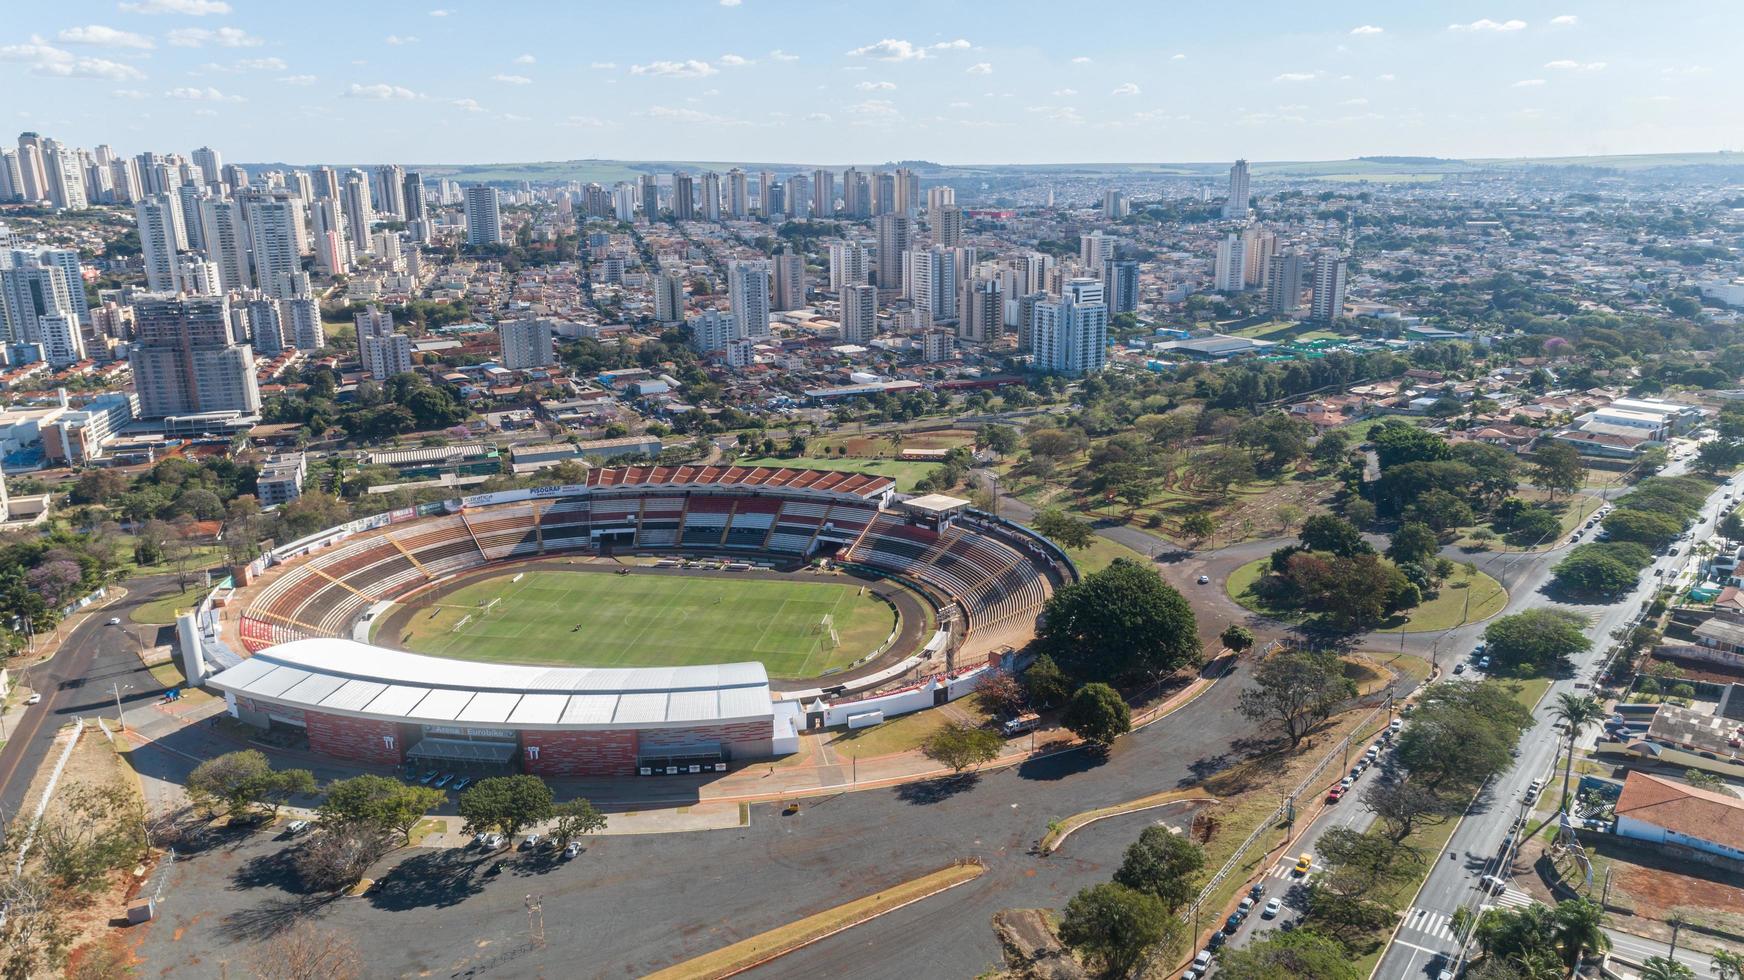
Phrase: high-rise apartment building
(799, 197)
(412, 195)
(1235, 205)
(856, 194)
(1071, 333)
(748, 288)
(1095, 249)
(848, 265)
(1330, 270)
(1115, 205)
(62, 342)
(383, 352)
(276, 226)
(983, 320)
(859, 313)
(711, 196)
(930, 280)
(157, 242)
(266, 326)
(484, 219)
(210, 163)
(226, 241)
(390, 190)
(711, 331)
(893, 241)
(300, 321)
(29, 291)
(526, 344)
(354, 195)
(738, 195)
(651, 197)
(1257, 248)
(1284, 283)
(669, 297)
(789, 281)
(683, 197)
(198, 275)
(1120, 282)
(185, 362)
(947, 222)
(823, 193)
(1230, 272)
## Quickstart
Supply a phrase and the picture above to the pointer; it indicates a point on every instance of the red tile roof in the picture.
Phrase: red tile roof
(1697, 813)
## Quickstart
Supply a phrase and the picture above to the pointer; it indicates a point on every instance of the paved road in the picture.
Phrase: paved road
(76, 681)
(1474, 850)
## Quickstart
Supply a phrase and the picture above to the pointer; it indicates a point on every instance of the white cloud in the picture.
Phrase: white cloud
(875, 86)
(223, 37)
(193, 94)
(398, 40)
(1178, 56)
(818, 117)
(511, 79)
(962, 105)
(1565, 64)
(676, 69)
(731, 3)
(603, 65)
(298, 79)
(1386, 77)
(1365, 29)
(526, 59)
(262, 64)
(129, 93)
(780, 55)
(467, 105)
(439, 12)
(735, 61)
(192, 8)
(1566, 20)
(380, 91)
(1062, 92)
(1529, 83)
(46, 59)
(1060, 114)
(1129, 88)
(980, 68)
(1356, 101)
(99, 36)
(1081, 60)
(890, 49)
(1296, 76)
(1486, 25)
(958, 45)
(875, 108)
(691, 116)
(584, 122)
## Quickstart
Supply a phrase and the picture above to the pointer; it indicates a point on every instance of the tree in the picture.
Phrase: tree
(1298, 955)
(92, 831)
(307, 952)
(1536, 641)
(1046, 684)
(1716, 455)
(36, 930)
(1462, 733)
(1001, 694)
(1359, 512)
(337, 857)
(1413, 542)
(1441, 510)
(1580, 929)
(1533, 525)
(1558, 466)
(1397, 443)
(1402, 805)
(1097, 714)
(1120, 621)
(1332, 447)
(240, 781)
(505, 804)
(1358, 863)
(1576, 713)
(1197, 527)
(1328, 532)
(958, 746)
(1663, 968)
(378, 802)
(1350, 919)
(1297, 690)
(1591, 571)
(1063, 529)
(575, 819)
(1117, 926)
(1652, 529)
(1236, 637)
(1162, 864)
(1728, 965)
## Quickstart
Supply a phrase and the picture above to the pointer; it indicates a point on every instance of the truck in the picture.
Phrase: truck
(1027, 722)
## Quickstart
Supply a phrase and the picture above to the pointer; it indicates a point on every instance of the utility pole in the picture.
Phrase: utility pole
(120, 719)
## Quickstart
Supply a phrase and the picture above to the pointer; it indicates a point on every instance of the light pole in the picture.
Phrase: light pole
(117, 688)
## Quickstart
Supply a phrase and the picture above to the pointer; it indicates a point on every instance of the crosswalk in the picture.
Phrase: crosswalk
(1439, 925)
(1514, 898)
(1287, 869)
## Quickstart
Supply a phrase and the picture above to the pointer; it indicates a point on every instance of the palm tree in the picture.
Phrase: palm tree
(1577, 712)
(1664, 968)
(1729, 965)
(1580, 930)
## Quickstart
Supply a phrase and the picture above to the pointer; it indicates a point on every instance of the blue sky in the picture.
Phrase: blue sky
(1015, 81)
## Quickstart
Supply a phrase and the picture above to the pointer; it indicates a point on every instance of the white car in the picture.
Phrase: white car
(296, 827)
(573, 849)
(33, 699)
(1492, 884)
(1272, 909)
(530, 842)
(114, 620)
(1202, 961)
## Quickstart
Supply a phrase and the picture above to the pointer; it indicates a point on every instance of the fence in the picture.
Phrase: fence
(48, 791)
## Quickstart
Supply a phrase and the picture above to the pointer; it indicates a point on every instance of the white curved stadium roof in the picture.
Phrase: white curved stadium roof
(344, 677)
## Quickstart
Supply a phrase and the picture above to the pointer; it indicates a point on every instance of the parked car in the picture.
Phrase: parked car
(425, 779)
(1335, 794)
(572, 849)
(443, 780)
(1204, 580)
(1246, 905)
(296, 827)
(1484, 664)
(1492, 884)
(33, 699)
(461, 783)
(1232, 923)
(1272, 909)
(114, 620)
(1202, 961)
(1258, 889)
(1217, 940)
(1459, 668)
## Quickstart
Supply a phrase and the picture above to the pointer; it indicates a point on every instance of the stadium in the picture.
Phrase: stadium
(651, 620)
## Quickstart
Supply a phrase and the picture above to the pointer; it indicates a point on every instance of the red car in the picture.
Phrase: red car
(1335, 794)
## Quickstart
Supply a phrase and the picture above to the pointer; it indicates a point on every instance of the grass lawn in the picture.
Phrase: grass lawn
(884, 444)
(162, 612)
(1479, 599)
(1531, 690)
(1101, 554)
(1241, 588)
(600, 620)
(905, 474)
(905, 732)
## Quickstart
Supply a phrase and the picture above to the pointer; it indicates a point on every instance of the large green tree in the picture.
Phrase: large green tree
(1331, 533)
(1121, 621)
(1097, 714)
(1296, 690)
(1063, 529)
(505, 804)
(1162, 863)
(1413, 542)
(378, 802)
(1462, 733)
(959, 746)
(1536, 641)
(1117, 926)
(1298, 955)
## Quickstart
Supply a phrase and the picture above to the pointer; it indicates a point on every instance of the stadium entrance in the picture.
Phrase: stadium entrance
(474, 749)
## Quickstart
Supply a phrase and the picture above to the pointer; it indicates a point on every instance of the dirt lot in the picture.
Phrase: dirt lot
(885, 445)
(1647, 887)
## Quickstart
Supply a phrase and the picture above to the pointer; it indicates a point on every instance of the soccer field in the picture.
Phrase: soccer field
(595, 619)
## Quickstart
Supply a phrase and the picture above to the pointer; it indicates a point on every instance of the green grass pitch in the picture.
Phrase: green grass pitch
(594, 619)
